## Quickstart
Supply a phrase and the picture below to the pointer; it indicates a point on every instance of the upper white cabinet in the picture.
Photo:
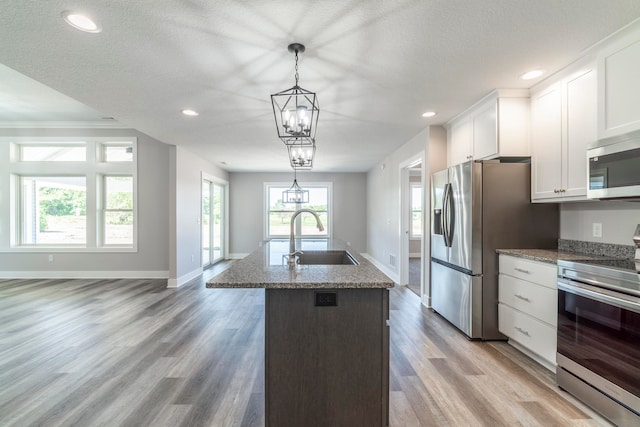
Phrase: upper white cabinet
(496, 126)
(563, 124)
(460, 142)
(619, 86)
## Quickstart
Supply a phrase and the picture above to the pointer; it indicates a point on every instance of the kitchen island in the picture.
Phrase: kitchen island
(326, 333)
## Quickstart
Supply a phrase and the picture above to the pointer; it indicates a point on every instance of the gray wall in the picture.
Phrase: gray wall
(383, 202)
(618, 219)
(153, 212)
(188, 201)
(383, 199)
(246, 206)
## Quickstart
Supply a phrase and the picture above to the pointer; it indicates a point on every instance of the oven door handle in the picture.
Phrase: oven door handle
(616, 299)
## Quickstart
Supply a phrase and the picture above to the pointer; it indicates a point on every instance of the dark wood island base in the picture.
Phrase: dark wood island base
(326, 364)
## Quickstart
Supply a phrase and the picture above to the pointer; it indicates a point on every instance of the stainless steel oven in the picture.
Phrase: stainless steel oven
(599, 336)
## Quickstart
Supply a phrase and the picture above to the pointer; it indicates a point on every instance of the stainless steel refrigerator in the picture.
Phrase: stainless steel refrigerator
(478, 207)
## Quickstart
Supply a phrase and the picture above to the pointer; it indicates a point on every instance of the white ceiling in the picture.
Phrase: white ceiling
(376, 66)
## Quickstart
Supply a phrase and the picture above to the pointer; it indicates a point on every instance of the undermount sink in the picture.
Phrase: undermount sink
(326, 258)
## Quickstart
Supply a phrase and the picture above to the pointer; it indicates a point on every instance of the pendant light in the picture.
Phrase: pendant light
(301, 155)
(295, 194)
(296, 109)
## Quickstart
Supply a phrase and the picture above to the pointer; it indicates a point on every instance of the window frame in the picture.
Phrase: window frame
(93, 169)
(286, 185)
(103, 210)
(412, 235)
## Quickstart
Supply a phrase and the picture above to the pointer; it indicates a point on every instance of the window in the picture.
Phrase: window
(278, 214)
(72, 193)
(117, 152)
(416, 211)
(53, 153)
(118, 210)
(54, 210)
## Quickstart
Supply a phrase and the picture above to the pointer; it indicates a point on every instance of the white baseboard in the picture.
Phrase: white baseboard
(541, 361)
(414, 255)
(119, 274)
(174, 283)
(393, 276)
(237, 256)
(426, 301)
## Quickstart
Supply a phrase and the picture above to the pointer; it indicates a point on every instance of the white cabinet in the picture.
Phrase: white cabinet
(496, 126)
(619, 86)
(460, 142)
(527, 308)
(563, 124)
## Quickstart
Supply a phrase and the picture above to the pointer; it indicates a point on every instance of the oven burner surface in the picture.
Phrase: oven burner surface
(627, 265)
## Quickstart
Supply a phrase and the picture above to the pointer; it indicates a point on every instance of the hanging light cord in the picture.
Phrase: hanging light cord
(297, 75)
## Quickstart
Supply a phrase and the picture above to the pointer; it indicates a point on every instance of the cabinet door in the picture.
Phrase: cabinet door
(581, 131)
(532, 334)
(485, 138)
(537, 301)
(540, 273)
(460, 141)
(546, 143)
(619, 88)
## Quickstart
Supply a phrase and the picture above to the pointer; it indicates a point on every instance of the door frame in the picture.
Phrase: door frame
(404, 231)
(225, 214)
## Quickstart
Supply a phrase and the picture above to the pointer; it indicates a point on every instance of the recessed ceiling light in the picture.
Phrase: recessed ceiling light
(81, 22)
(532, 74)
(189, 112)
(429, 114)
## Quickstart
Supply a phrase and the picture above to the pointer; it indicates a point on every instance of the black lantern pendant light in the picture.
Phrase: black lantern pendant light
(296, 110)
(301, 155)
(295, 194)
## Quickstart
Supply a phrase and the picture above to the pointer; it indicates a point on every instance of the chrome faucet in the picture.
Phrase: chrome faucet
(292, 239)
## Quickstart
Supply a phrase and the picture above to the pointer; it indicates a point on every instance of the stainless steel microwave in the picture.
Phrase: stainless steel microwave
(614, 170)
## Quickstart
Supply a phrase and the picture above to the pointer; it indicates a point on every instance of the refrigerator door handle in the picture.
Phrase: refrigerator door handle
(445, 223)
(448, 216)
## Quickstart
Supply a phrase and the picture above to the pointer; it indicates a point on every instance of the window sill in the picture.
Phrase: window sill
(68, 249)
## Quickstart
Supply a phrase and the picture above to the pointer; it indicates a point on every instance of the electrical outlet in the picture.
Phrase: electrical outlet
(50, 258)
(326, 299)
(192, 258)
(597, 229)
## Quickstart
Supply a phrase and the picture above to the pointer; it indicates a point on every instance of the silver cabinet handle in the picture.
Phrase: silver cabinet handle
(522, 298)
(522, 331)
(522, 270)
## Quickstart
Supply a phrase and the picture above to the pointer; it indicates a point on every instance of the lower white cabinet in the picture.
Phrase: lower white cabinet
(527, 310)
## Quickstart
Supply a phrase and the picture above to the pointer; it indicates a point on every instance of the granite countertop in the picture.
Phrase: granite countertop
(265, 268)
(547, 255)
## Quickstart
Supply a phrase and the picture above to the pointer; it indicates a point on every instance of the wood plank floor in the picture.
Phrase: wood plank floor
(133, 353)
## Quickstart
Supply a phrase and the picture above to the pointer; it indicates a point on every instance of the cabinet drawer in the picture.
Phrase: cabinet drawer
(537, 272)
(536, 336)
(540, 302)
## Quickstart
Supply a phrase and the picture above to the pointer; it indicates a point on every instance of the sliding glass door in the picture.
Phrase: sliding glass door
(213, 217)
